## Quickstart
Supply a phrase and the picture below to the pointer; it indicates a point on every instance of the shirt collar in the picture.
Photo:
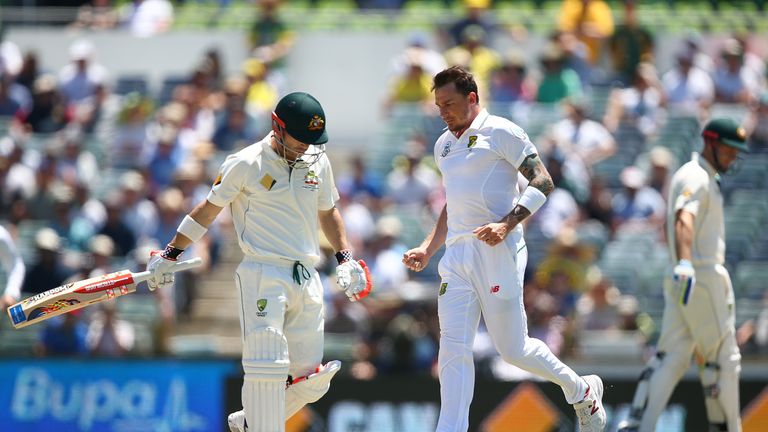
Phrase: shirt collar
(482, 116)
(705, 164)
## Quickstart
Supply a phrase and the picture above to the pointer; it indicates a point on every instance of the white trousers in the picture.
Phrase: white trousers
(282, 325)
(706, 323)
(477, 278)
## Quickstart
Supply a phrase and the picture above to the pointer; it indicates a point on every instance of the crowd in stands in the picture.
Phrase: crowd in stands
(92, 178)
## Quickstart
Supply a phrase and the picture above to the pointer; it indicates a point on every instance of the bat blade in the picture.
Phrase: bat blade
(71, 297)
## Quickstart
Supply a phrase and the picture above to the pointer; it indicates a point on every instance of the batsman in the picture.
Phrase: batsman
(280, 190)
(698, 315)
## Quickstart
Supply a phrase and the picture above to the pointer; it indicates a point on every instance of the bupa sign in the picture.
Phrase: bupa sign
(114, 395)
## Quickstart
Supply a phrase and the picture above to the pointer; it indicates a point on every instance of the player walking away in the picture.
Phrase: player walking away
(482, 270)
(698, 313)
(279, 190)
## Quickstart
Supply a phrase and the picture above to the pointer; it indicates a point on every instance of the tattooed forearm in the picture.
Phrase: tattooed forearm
(537, 175)
(516, 216)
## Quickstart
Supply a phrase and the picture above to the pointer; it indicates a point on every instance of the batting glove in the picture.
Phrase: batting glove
(354, 278)
(161, 266)
(685, 279)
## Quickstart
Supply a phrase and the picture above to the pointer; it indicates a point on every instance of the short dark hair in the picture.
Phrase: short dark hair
(460, 77)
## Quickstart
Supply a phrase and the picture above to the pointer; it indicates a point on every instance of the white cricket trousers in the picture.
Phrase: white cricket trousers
(478, 278)
(282, 323)
(706, 323)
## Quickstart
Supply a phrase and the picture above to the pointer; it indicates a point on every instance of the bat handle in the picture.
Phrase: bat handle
(179, 266)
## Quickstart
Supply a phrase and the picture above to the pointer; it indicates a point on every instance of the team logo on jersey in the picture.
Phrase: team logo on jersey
(311, 181)
(443, 287)
(268, 182)
(316, 123)
(446, 149)
(472, 141)
(261, 304)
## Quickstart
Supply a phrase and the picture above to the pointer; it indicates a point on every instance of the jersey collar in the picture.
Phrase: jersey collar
(705, 164)
(477, 123)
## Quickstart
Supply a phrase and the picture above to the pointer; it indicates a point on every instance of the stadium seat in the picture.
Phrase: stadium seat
(751, 279)
(131, 83)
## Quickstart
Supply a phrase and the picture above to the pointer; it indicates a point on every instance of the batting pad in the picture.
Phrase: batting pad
(311, 389)
(265, 363)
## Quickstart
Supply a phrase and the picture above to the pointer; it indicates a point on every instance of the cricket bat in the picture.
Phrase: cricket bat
(77, 295)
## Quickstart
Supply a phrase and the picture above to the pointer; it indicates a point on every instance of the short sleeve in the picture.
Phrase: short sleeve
(692, 193)
(328, 192)
(229, 182)
(513, 144)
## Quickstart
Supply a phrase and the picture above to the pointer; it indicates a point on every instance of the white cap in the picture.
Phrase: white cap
(81, 50)
(632, 177)
(47, 239)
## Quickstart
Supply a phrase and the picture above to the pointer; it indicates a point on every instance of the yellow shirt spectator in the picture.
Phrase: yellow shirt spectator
(590, 20)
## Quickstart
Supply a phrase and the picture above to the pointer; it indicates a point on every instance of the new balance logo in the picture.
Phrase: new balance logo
(495, 289)
(595, 408)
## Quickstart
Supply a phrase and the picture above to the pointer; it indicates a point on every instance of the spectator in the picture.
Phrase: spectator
(414, 86)
(756, 124)
(387, 268)
(63, 335)
(475, 55)
(74, 231)
(630, 45)
(637, 206)
(235, 130)
(49, 112)
(78, 80)
(109, 336)
(688, 88)
(115, 227)
(692, 43)
(662, 165)
(130, 144)
(410, 183)
(575, 57)
(361, 183)
(9, 106)
(558, 82)
(640, 105)
(96, 15)
(599, 203)
(510, 82)
(734, 81)
(30, 70)
(271, 40)
(432, 61)
(598, 309)
(561, 210)
(475, 14)
(139, 213)
(579, 135)
(74, 163)
(47, 271)
(262, 94)
(590, 20)
(146, 18)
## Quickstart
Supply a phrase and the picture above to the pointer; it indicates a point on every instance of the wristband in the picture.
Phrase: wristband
(532, 199)
(172, 252)
(343, 256)
(191, 229)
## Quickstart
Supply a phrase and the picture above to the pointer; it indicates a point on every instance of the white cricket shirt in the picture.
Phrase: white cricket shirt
(694, 189)
(274, 209)
(480, 172)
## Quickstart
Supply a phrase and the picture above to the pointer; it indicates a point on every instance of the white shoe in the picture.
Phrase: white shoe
(590, 411)
(236, 422)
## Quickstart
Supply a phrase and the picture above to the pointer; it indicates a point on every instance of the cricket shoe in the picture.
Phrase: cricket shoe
(629, 425)
(590, 411)
(236, 422)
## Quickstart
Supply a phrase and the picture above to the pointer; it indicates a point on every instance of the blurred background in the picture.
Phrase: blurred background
(115, 115)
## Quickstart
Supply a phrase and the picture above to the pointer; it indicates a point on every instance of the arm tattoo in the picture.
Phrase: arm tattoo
(537, 175)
